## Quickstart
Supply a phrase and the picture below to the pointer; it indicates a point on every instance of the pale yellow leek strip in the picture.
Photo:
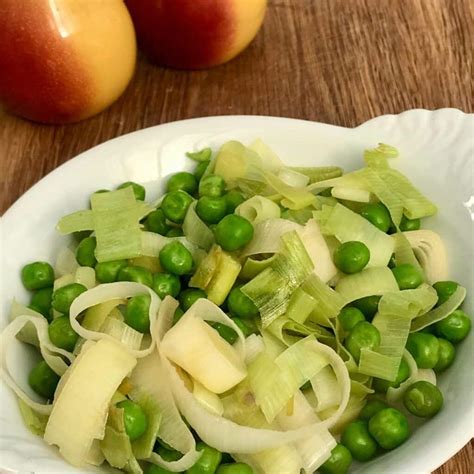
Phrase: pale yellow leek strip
(315, 450)
(113, 291)
(431, 252)
(258, 209)
(80, 410)
(85, 276)
(66, 262)
(51, 354)
(228, 436)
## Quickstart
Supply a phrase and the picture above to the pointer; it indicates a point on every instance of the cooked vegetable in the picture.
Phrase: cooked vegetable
(339, 307)
(389, 427)
(37, 275)
(423, 399)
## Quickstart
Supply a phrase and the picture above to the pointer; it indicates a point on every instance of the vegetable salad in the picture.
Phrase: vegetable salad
(258, 318)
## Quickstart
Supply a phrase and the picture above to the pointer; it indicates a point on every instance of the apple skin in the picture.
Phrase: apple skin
(62, 61)
(195, 34)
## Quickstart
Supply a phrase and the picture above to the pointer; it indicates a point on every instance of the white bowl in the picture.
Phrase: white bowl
(436, 153)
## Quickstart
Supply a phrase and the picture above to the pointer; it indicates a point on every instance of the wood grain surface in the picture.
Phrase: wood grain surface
(335, 61)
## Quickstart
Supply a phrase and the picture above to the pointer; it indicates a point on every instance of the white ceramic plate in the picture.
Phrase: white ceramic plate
(436, 153)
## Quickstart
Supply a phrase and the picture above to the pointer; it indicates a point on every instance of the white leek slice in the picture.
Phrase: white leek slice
(258, 209)
(350, 194)
(430, 251)
(274, 382)
(293, 197)
(439, 313)
(403, 252)
(315, 450)
(293, 178)
(253, 346)
(84, 405)
(368, 282)
(326, 389)
(196, 347)
(66, 262)
(266, 237)
(318, 251)
(271, 289)
(123, 333)
(113, 291)
(51, 354)
(96, 315)
(208, 399)
(85, 276)
(195, 230)
(227, 436)
(270, 159)
(29, 333)
(64, 280)
(216, 274)
(35, 422)
(273, 461)
(348, 226)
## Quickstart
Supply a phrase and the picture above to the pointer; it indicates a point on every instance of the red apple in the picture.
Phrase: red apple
(194, 34)
(64, 60)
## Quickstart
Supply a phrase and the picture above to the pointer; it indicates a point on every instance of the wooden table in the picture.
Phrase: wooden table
(336, 61)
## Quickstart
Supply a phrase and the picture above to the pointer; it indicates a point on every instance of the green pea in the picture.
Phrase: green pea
(136, 274)
(137, 313)
(389, 427)
(107, 272)
(349, 317)
(235, 468)
(64, 296)
(208, 462)
(369, 305)
(211, 209)
(182, 181)
(37, 275)
(175, 206)
(363, 335)
(445, 289)
(247, 326)
(188, 297)
(212, 185)
(201, 169)
(378, 215)
(135, 419)
(429, 329)
(175, 232)
(166, 284)
(177, 315)
(424, 349)
(339, 461)
(357, 439)
(351, 257)
(43, 380)
(85, 252)
(240, 305)
(154, 469)
(446, 355)
(454, 327)
(226, 332)
(409, 224)
(101, 191)
(233, 232)
(423, 399)
(371, 408)
(62, 334)
(381, 385)
(156, 222)
(408, 276)
(233, 199)
(41, 301)
(176, 258)
(138, 189)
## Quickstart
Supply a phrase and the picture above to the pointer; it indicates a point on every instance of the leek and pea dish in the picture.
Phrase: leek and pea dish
(257, 318)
